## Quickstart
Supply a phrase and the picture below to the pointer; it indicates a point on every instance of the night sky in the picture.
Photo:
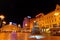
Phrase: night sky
(15, 10)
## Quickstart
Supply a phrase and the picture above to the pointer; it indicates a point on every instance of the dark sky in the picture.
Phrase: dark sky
(15, 10)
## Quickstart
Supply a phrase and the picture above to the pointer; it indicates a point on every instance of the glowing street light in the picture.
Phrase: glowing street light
(34, 21)
(25, 24)
(19, 25)
(4, 22)
(2, 17)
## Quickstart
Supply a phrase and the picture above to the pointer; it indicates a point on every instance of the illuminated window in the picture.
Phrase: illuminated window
(56, 14)
(55, 19)
(52, 20)
(54, 25)
(47, 26)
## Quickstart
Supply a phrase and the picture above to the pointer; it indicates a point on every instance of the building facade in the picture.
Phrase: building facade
(50, 20)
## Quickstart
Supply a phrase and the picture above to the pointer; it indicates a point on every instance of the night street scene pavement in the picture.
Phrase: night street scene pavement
(30, 20)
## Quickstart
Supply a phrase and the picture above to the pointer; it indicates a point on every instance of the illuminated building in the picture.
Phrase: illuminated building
(10, 28)
(50, 20)
(26, 23)
(1, 20)
(9, 32)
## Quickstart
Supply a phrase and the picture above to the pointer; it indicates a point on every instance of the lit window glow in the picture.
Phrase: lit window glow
(19, 25)
(56, 14)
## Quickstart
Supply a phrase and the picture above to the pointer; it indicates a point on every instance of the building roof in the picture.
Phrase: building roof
(39, 15)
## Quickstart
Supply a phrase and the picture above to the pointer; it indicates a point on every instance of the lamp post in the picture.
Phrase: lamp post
(25, 27)
(4, 22)
(19, 25)
(1, 20)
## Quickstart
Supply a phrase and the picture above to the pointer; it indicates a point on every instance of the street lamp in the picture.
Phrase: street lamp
(2, 17)
(19, 25)
(25, 24)
(1, 20)
(3, 23)
(34, 21)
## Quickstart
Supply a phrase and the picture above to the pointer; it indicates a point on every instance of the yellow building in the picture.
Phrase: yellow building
(51, 19)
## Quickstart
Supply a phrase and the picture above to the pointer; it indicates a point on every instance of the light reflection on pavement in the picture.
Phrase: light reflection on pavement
(36, 36)
(25, 36)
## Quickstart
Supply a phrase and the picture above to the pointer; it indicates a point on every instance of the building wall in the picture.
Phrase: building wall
(31, 23)
(25, 22)
(49, 20)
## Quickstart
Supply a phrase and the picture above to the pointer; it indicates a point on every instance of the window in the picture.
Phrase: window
(50, 25)
(54, 25)
(52, 20)
(59, 24)
(55, 19)
(47, 25)
(49, 17)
